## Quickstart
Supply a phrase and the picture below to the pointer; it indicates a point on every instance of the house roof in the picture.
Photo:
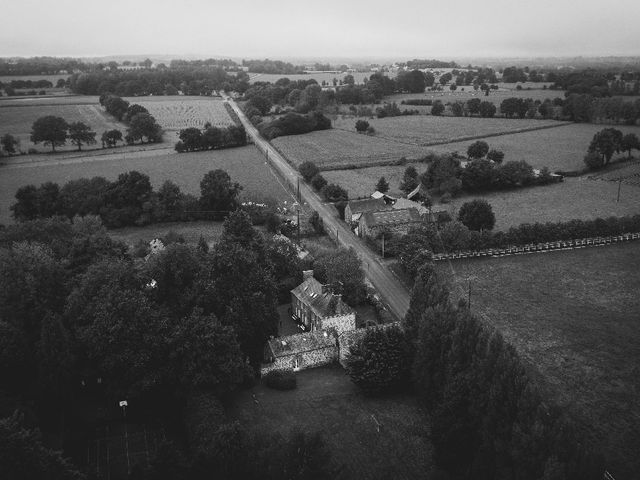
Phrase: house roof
(311, 293)
(403, 203)
(392, 217)
(300, 343)
(420, 189)
(367, 205)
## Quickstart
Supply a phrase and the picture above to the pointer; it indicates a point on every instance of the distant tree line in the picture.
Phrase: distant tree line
(129, 200)
(27, 84)
(209, 138)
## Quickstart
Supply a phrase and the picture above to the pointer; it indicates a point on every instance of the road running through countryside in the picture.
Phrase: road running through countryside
(390, 289)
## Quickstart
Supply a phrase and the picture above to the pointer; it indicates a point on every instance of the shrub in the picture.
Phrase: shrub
(495, 155)
(371, 130)
(593, 160)
(318, 182)
(308, 170)
(281, 379)
(437, 108)
(478, 149)
(361, 126)
(477, 215)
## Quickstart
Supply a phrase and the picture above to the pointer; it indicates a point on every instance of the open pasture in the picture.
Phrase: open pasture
(174, 113)
(17, 120)
(430, 130)
(561, 148)
(574, 198)
(628, 174)
(573, 315)
(331, 149)
(244, 165)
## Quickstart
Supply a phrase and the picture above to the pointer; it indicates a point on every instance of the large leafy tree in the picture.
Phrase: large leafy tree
(23, 456)
(630, 142)
(342, 269)
(478, 149)
(606, 142)
(218, 194)
(124, 199)
(50, 130)
(80, 133)
(477, 215)
(9, 143)
(381, 361)
(144, 125)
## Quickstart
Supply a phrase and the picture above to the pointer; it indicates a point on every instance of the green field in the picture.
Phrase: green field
(428, 130)
(561, 148)
(191, 231)
(574, 198)
(361, 182)
(573, 315)
(17, 118)
(245, 165)
(326, 400)
(330, 149)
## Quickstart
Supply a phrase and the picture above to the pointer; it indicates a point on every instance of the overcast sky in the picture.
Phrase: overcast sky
(399, 29)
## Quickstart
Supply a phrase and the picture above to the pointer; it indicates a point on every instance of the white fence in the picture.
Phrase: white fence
(540, 247)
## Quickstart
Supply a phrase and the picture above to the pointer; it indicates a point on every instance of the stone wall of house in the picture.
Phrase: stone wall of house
(340, 323)
(309, 359)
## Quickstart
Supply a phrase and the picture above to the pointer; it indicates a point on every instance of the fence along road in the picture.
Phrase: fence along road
(393, 293)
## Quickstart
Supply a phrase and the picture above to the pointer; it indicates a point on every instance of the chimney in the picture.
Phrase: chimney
(306, 274)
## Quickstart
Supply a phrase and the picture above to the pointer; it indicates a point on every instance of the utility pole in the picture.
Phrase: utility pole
(383, 245)
(619, 186)
(469, 296)
(298, 189)
(298, 224)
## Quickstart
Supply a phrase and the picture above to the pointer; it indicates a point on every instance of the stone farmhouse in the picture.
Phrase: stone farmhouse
(315, 307)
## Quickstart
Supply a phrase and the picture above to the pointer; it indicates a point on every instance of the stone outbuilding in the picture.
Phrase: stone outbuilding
(356, 208)
(397, 221)
(315, 307)
(300, 351)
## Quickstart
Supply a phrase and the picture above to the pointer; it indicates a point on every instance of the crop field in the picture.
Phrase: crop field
(561, 148)
(331, 149)
(17, 120)
(369, 437)
(573, 315)
(174, 113)
(244, 165)
(318, 77)
(574, 198)
(505, 90)
(430, 130)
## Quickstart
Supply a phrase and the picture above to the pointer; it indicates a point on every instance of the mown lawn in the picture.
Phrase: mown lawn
(326, 400)
(575, 317)
(245, 165)
(574, 198)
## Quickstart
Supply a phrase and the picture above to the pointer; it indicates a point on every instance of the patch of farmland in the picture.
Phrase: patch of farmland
(178, 112)
(47, 101)
(17, 120)
(244, 165)
(431, 130)
(561, 148)
(331, 149)
(573, 315)
(574, 198)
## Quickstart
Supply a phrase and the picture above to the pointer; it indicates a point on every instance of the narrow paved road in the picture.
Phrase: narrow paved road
(393, 293)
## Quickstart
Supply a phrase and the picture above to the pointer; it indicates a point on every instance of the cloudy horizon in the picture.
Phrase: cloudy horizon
(331, 29)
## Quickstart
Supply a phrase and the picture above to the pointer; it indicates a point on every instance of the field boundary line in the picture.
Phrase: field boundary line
(539, 247)
(465, 138)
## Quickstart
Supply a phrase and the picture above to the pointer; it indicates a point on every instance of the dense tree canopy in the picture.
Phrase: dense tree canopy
(50, 130)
